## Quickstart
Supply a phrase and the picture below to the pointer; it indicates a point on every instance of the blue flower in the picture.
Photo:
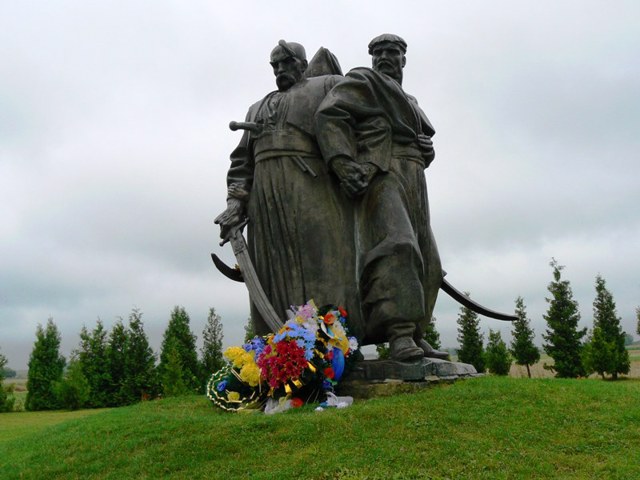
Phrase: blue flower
(221, 386)
(257, 344)
(304, 338)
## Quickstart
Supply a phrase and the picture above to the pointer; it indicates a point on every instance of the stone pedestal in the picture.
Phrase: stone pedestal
(375, 378)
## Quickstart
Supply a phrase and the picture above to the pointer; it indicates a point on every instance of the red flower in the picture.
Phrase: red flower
(281, 362)
(343, 312)
(329, 318)
(329, 373)
(329, 355)
(296, 402)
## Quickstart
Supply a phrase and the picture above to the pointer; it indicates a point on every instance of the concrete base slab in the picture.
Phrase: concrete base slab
(409, 371)
(379, 378)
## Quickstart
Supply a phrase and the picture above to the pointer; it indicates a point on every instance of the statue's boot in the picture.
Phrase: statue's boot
(404, 349)
(430, 352)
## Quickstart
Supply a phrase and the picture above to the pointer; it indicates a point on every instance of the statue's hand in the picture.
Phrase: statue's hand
(352, 176)
(370, 171)
(426, 147)
(231, 217)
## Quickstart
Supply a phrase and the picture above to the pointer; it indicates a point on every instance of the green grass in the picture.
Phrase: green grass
(16, 425)
(493, 428)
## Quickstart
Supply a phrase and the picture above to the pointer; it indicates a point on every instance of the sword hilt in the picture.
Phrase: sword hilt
(233, 231)
(251, 126)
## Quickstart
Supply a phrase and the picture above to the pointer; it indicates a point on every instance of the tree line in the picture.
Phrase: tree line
(118, 367)
(575, 352)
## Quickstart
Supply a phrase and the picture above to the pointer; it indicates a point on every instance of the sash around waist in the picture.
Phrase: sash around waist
(408, 151)
(278, 144)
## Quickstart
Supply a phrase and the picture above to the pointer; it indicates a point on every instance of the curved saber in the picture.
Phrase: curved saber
(250, 277)
(466, 301)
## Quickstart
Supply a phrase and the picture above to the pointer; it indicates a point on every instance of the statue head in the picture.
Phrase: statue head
(388, 55)
(289, 62)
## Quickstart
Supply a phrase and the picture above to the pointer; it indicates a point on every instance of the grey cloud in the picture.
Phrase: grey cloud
(114, 147)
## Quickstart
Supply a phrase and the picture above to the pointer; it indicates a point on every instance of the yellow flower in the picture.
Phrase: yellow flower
(250, 374)
(239, 357)
(341, 342)
(233, 396)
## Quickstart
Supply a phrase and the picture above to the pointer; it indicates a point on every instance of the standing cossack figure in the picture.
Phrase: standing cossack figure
(377, 141)
(300, 229)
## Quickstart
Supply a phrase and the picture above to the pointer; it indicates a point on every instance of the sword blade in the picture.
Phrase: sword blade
(470, 304)
(256, 292)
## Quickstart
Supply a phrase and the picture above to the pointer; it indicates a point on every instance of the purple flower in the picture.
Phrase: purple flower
(306, 311)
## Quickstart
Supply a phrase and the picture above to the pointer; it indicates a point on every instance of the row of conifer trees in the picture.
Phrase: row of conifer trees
(575, 352)
(118, 367)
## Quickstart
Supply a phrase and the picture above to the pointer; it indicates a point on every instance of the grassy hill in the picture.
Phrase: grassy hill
(482, 428)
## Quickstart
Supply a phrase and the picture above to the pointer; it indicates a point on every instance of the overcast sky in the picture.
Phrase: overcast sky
(114, 149)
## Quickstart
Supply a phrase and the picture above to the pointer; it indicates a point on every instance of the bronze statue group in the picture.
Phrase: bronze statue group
(330, 173)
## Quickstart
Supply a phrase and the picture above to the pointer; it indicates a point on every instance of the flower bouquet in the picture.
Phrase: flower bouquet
(302, 362)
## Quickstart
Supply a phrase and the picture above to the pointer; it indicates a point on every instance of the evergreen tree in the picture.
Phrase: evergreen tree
(497, 355)
(73, 391)
(45, 368)
(522, 348)
(185, 343)
(172, 375)
(92, 358)
(6, 400)
(562, 335)
(470, 339)
(606, 320)
(638, 320)
(116, 362)
(140, 375)
(212, 345)
(250, 331)
(431, 335)
(598, 355)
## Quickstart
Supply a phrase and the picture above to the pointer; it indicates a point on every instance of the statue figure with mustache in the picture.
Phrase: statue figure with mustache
(369, 125)
(300, 228)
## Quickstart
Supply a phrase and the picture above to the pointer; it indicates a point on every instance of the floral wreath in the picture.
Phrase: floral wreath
(301, 363)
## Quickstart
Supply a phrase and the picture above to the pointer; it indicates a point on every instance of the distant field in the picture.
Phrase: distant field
(634, 353)
(20, 384)
(538, 371)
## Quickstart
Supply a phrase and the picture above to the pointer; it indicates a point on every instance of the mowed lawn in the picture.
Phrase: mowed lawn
(488, 427)
(18, 424)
